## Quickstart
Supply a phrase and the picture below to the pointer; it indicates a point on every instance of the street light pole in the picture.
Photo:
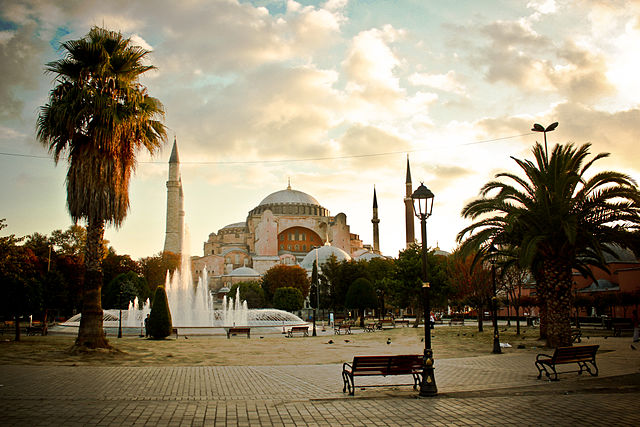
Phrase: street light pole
(423, 206)
(120, 318)
(314, 278)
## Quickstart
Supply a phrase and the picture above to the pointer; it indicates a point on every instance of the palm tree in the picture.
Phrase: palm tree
(99, 116)
(555, 220)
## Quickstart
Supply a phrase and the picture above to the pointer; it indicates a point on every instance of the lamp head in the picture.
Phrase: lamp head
(422, 201)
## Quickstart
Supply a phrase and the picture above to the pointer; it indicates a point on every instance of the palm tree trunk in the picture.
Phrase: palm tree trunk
(542, 286)
(558, 303)
(544, 309)
(91, 333)
(480, 319)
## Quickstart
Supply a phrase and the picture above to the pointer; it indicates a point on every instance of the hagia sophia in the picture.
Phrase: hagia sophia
(287, 227)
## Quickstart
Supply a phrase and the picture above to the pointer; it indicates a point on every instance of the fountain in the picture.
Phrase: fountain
(192, 310)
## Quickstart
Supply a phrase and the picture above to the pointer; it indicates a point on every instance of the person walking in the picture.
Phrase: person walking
(146, 326)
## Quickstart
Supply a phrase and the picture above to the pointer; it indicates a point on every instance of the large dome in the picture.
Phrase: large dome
(289, 196)
(290, 202)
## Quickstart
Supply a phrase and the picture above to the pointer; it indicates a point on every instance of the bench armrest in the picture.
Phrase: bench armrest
(545, 355)
(345, 365)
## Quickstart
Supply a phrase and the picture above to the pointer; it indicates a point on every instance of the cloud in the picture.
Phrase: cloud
(446, 82)
(363, 140)
(287, 115)
(370, 65)
(543, 7)
(21, 55)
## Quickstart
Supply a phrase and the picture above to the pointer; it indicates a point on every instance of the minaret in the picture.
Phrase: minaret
(408, 207)
(175, 205)
(375, 221)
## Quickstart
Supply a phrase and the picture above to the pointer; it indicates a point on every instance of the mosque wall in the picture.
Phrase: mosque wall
(340, 234)
(266, 235)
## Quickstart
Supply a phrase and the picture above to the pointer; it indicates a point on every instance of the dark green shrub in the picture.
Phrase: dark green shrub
(160, 325)
(288, 299)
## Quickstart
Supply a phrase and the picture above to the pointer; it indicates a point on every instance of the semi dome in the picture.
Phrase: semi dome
(289, 196)
(244, 272)
(324, 253)
(235, 225)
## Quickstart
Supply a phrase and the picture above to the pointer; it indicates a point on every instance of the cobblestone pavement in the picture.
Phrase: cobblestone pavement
(485, 390)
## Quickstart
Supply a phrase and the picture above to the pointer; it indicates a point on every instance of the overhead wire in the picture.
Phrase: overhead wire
(307, 159)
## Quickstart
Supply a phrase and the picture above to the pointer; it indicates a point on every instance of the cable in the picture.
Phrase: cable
(309, 159)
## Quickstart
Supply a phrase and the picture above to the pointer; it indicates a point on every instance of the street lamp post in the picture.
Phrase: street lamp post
(314, 279)
(423, 207)
(120, 318)
(539, 128)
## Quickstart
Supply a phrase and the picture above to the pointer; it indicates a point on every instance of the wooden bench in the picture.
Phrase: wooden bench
(343, 328)
(35, 330)
(174, 331)
(404, 322)
(386, 322)
(370, 327)
(382, 365)
(456, 321)
(236, 331)
(620, 325)
(304, 330)
(582, 355)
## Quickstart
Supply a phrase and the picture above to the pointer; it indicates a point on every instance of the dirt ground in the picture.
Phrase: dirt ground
(268, 349)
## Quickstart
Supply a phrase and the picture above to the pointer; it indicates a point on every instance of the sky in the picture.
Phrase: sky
(332, 95)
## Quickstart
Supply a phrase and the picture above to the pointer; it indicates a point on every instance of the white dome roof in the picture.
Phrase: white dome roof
(289, 196)
(244, 272)
(367, 256)
(324, 253)
(235, 225)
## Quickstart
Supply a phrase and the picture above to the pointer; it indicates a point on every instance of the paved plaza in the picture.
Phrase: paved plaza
(484, 390)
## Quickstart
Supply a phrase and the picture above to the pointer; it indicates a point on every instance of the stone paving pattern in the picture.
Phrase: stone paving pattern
(484, 390)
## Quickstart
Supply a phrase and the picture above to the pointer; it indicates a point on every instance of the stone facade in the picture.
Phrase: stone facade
(282, 229)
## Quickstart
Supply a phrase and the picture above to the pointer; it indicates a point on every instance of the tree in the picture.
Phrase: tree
(513, 278)
(381, 272)
(71, 241)
(338, 276)
(131, 285)
(559, 220)
(314, 298)
(21, 292)
(100, 115)
(160, 325)
(251, 292)
(471, 283)
(406, 289)
(155, 268)
(361, 296)
(114, 265)
(288, 299)
(285, 276)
